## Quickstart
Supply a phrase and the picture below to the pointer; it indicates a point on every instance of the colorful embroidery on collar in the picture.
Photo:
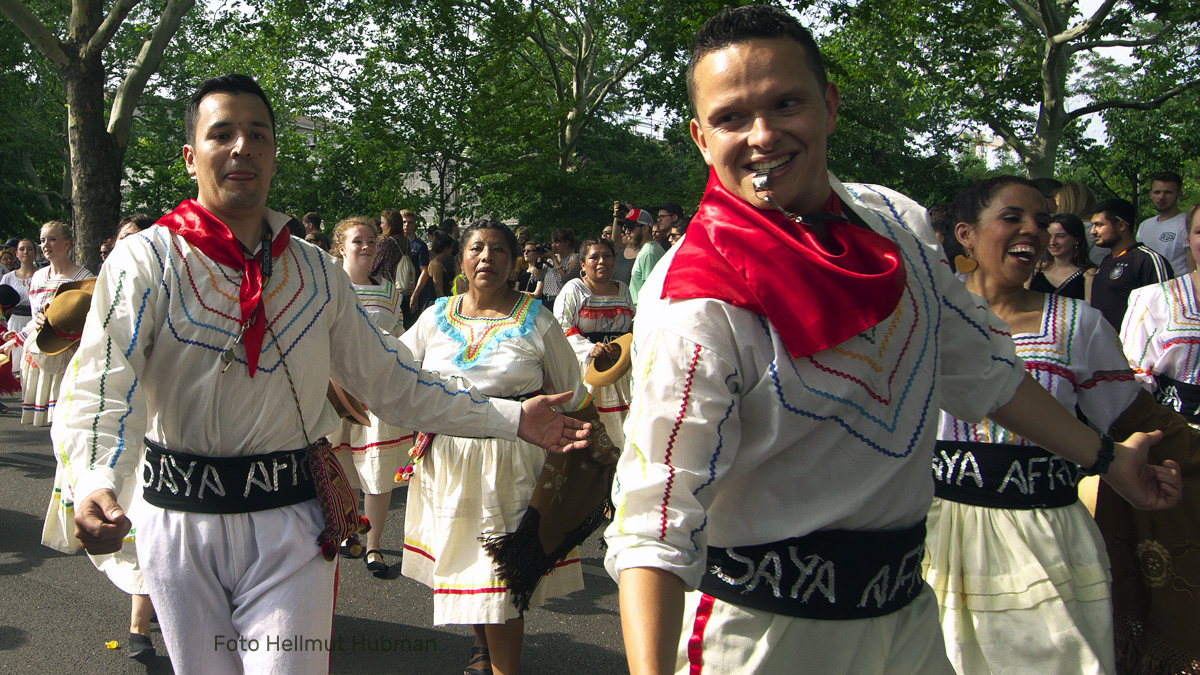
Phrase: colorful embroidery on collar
(479, 336)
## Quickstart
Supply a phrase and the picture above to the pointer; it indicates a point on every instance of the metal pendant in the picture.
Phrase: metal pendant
(229, 355)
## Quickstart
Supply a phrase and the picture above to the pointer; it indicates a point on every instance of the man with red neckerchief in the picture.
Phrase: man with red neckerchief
(771, 496)
(214, 335)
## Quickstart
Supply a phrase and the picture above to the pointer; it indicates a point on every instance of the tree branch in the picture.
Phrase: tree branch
(1142, 42)
(130, 90)
(600, 91)
(533, 67)
(1029, 15)
(539, 39)
(1086, 27)
(1125, 104)
(33, 191)
(558, 23)
(1007, 133)
(112, 22)
(39, 36)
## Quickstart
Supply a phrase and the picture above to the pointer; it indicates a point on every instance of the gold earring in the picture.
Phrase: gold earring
(964, 264)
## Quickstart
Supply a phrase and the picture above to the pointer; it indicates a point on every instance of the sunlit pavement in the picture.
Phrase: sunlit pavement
(57, 612)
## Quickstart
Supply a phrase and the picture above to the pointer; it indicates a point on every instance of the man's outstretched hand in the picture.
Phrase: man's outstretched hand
(100, 523)
(542, 426)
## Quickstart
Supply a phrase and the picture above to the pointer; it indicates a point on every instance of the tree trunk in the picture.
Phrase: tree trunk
(440, 165)
(96, 161)
(1039, 165)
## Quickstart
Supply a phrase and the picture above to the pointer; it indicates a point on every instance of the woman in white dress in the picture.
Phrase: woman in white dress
(1155, 567)
(370, 455)
(506, 344)
(40, 375)
(1017, 563)
(20, 279)
(593, 311)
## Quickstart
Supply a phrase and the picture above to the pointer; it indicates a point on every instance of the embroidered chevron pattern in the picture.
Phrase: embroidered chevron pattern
(479, 336)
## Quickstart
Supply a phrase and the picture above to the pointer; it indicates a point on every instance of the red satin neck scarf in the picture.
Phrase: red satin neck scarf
(815, 296)
(212, 237)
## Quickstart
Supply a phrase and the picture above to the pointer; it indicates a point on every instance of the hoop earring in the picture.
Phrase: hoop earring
(964, 263)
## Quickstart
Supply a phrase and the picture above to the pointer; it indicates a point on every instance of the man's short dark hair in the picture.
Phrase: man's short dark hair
(140, 220)
(672, 208)
(1117, 209)
(312, 218)
(1167, 177)
(941, 218)
(232, 83)
(735, 25)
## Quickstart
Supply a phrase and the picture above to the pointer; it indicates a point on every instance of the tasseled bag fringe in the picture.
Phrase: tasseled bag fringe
(570, 500)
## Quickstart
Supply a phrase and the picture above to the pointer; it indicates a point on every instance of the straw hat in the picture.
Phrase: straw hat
(65, 315)
(604, 370)
(347, 407)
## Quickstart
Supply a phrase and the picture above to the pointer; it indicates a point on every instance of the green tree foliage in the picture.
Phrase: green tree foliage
(521, 110)
(81, 42)
(1139, 143)
(1013, 66)
(32, 137)
(894, 128)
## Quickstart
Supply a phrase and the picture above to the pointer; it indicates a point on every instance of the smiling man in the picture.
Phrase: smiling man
(214, 334)
(771, 497)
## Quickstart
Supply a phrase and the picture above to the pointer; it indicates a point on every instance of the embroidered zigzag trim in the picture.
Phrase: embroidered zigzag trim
(479, 336)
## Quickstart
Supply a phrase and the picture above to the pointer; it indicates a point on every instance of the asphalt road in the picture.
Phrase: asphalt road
(57, 612)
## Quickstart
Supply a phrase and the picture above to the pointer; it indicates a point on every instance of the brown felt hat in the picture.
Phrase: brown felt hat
(605, 370)
(347, 407)
(9, 298)
(65, 315)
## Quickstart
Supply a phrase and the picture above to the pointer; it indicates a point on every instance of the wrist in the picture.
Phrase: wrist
(1104, 458)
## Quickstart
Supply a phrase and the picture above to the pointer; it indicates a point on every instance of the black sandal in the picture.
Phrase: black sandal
(141, 647)
(376, 567)
(479, 655)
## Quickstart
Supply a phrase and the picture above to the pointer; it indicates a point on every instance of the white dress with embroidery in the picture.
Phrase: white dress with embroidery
(371, 455)
(1160, 333)
(579, 312)
(16, 323)
(464, 488)
(1027, 590)
(41, 374)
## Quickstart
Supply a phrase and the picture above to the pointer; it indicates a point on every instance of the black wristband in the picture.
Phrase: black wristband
(1103, 459)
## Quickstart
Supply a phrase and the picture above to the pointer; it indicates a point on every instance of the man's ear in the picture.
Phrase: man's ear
(189, 160)
(699, 140)
(833, 99)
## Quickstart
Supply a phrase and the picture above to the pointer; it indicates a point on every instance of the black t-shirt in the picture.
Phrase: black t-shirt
(1137, 266)
(526, 282)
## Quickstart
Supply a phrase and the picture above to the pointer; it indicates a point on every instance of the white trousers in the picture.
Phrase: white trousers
(724, 639)
(239, 593)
